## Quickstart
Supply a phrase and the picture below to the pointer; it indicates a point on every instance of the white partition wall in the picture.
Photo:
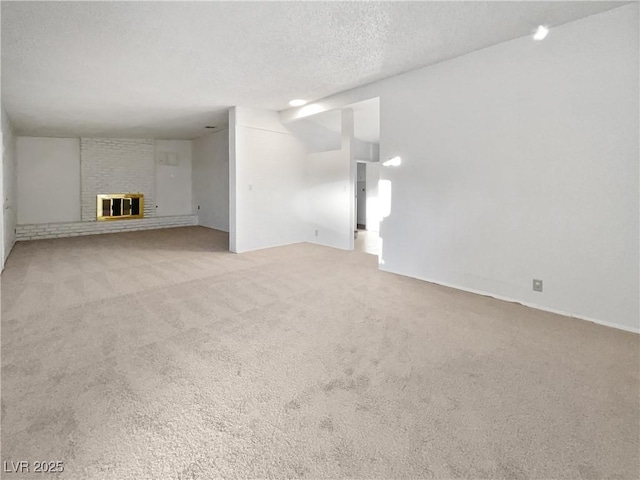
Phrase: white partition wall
(330, 191)
(267, 194)
(280, 193)
(328, 213)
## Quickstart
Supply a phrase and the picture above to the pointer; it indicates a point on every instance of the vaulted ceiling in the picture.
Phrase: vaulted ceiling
(167, 69)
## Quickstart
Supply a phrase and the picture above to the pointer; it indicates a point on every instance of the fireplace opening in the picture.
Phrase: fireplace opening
(120, 206)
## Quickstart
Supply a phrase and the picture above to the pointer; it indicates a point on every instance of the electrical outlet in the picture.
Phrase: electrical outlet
(537, 285)
(316, 233)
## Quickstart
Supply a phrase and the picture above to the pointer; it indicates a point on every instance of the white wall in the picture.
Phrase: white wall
(9, 188)
(361, 193)
(173, 177)
(317, 137)
(48, 180)
(330, 179)
(210, 178)
(327, 176)
(520, 161)
(2, 136)
(365, 151)
(267, 193)
(279, 193)
(373, 204)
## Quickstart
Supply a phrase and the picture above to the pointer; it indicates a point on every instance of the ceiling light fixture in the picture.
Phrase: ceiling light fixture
(392, 162)
(297, 102)
(541, 33)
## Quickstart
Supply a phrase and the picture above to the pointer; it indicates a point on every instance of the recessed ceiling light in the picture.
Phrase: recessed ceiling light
(541, 33)
(297, 102)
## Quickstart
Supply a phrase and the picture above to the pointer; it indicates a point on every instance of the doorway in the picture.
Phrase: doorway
(367, 239)
(361, 196)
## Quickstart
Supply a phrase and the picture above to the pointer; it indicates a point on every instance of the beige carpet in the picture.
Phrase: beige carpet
(158, 355)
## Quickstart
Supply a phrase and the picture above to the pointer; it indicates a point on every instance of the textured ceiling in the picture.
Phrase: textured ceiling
(167, 69)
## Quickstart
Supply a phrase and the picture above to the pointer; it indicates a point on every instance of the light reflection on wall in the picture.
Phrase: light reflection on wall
(373, 211)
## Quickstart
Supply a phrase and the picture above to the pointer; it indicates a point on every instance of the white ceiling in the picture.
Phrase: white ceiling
(167, 69)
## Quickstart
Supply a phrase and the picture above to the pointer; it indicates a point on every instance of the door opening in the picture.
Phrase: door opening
(361, 196)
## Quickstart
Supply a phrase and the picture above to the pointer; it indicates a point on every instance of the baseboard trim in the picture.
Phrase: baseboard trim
(212, 228)
(265, 248)
(344, 249)
(526, 304)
